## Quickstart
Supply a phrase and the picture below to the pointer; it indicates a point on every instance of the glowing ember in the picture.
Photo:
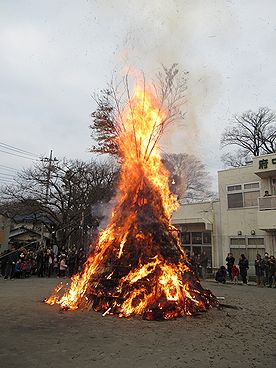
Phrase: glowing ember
(138, 266)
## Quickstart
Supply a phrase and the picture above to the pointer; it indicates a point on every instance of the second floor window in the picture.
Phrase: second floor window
(243, 195)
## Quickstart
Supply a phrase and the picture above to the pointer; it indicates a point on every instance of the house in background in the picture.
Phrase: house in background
(29, 228)
(21, 230)
(243, 220)
(22, 236)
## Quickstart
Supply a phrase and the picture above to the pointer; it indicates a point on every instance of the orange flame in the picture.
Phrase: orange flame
(150, 276)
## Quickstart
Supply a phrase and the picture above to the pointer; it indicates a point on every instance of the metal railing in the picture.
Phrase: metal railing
(267, 203)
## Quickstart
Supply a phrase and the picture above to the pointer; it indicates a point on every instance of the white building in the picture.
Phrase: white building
(243, 220)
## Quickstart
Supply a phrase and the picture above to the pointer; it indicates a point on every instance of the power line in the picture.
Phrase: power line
(8, 175)
(9, 181)
(12, 176)
(14, 154)
(19, 150)
(7, 168)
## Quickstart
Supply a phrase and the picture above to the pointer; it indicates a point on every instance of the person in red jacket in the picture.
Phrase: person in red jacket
(235, 274)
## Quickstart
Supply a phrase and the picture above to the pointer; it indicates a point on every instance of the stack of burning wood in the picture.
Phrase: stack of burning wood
(138, 266)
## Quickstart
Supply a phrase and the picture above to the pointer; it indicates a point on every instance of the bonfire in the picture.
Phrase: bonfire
(138, 267)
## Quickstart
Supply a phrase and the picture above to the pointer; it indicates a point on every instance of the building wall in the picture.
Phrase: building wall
(237, 223)
(199, 217)
(232, 226)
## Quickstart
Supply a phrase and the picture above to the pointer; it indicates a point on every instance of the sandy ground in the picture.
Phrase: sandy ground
(33, 334)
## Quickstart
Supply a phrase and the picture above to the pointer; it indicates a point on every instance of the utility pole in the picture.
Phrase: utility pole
(49, 160)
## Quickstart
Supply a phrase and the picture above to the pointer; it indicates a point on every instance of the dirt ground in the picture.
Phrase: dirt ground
(33, 334)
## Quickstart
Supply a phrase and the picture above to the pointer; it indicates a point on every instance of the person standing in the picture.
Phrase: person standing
(56, 266)
(18, 269)
(4, 262)
(50, 263)
(230, 261)
(243, 265)
(62, 267)
(271, 271)
(71, 262)
(235, 274)
(265, 262)
(259, 270)
(204, 264)
(40, 263)
(10, 268)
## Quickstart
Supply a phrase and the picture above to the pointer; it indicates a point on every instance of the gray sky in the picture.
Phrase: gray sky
(55, 54)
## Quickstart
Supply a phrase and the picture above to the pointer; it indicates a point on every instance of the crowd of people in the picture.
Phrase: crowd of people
(51, 262)
(265, 270)
(43, 262)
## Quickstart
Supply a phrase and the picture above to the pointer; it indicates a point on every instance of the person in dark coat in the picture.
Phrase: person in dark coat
(72, 262)
(221, 275)
(10, 267)
(243, 265)
(265, 262)
(259, 270)
(204, 264)
(40, 261)
(230, 261)
(4, 262)
(271, 271)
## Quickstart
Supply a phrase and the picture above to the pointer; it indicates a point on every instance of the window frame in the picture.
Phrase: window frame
(260, 246)
(242, 191)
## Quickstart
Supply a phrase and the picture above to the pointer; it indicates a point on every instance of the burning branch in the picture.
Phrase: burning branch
(139, 266)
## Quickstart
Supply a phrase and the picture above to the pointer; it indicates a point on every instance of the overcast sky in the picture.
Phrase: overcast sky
(55, 54)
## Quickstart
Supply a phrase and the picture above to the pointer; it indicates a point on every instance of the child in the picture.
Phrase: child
(62, 267)
(24, 268)
(235, 274)
(18, 269)
(56, 266)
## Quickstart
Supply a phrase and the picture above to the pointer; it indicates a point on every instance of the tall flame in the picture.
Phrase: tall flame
(138, 266)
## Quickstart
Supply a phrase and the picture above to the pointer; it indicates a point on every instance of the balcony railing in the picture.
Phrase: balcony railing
(267, 203)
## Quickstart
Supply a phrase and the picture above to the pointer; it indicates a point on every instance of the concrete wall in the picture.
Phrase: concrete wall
(229, 223)
(199, 217)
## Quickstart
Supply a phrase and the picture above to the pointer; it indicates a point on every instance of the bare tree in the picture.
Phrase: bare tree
(107, 120)
(236, 159)
(189, 178)
(253, 132)
(62, 199)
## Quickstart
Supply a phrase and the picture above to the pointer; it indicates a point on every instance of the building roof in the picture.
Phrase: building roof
(22, 230)
(32, 217)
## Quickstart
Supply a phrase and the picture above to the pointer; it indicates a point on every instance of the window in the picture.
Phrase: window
(251, 254)
(273, 186)
(185, 238)
(237, 253)
(251, 186)
(197, 238)
(237, 241)
(230, 188)
(235, 200)
(251, 198)
(254, 246)
(207, 238)
(197, 251)
(243, 195)
(255, 241)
